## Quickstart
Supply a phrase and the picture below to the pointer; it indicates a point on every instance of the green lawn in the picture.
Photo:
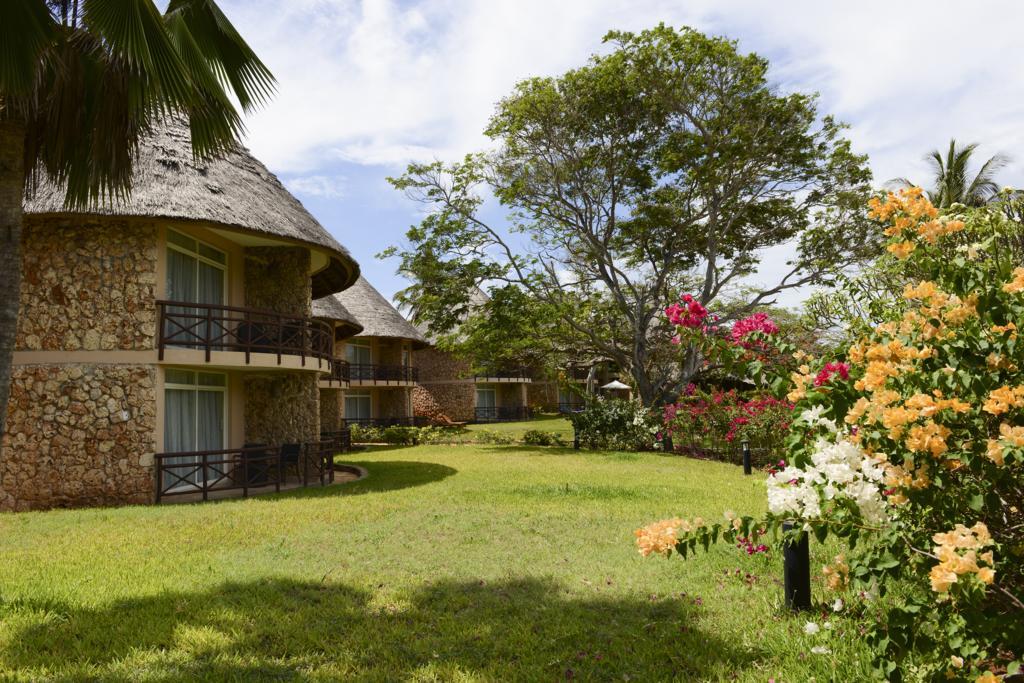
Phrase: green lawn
(448, 563)
(545, 423)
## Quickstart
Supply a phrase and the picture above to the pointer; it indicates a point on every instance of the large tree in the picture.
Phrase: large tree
(951, 178)
(81, 81)
(666, 165)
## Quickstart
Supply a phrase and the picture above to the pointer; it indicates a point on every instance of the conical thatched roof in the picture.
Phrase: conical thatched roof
(236, 192)
(477, 299)
(376, 314)
(330, 308)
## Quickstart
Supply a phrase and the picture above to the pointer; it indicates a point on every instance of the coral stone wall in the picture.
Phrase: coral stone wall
(79, 435)
(277, 279)
(282, 408)
(330, 409)
(453, 401)
(440, 365)
(88, 284)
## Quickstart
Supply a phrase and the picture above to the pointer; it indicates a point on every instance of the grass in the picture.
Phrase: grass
(447, 563)
(545, 423)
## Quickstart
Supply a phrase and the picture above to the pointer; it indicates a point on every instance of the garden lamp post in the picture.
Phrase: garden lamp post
(796, 570)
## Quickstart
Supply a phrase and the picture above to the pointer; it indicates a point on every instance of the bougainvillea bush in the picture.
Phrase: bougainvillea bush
(911, 453)
(716, 423)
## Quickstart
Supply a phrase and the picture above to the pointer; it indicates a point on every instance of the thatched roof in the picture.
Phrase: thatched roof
(376, 314)
(477, 299)
(330, 308)
(236, 192)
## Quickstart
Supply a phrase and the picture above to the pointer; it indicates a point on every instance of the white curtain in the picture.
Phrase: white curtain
(181, 286)
(179, 432)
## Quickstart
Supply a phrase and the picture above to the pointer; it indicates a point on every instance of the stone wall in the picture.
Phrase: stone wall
(440, 365)
(330, 409)
(78, 435)
(89, 284)
(449, 400)
(277, 279)
(282, 408)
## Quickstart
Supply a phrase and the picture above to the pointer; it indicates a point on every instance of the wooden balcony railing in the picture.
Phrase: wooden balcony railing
(254, 466)
(505, 373)
(375, 372)
(341, 372)
(502, 414)
(249, 330)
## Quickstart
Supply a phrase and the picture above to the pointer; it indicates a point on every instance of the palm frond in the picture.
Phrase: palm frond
(984, 185)
(26, 29)
(229, 55)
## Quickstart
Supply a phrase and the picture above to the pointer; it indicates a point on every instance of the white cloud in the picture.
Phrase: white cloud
(317, 186)
(381, 82)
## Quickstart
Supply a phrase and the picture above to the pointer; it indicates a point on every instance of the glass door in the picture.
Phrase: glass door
(360, 358)
(196, 273)
(195, 406)
(358, 408)
(486, 403)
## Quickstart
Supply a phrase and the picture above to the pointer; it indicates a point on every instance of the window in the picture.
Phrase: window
(195, 271)
(358, 354)
(196, 274)
(486, 397)
(195, 408)
(358, 407)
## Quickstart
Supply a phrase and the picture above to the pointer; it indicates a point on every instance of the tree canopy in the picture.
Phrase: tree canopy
(666, 165)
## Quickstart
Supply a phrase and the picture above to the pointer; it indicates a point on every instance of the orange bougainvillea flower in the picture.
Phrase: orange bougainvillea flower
(1017, 283)
(1004, 398)
(901, 250)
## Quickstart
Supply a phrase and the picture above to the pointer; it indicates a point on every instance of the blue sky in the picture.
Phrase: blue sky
(368, 85)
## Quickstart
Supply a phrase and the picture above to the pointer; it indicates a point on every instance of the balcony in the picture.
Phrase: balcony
(369, 374)
(339, 376)
(501, 414)
(255, 468)
(504, 375)
(247, 332)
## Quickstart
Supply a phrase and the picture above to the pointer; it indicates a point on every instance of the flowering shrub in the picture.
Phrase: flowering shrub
(690, 314)
(703, 421)
(615, 424)
(912, 453)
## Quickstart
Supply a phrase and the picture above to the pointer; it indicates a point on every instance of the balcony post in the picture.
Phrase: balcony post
(204, 461)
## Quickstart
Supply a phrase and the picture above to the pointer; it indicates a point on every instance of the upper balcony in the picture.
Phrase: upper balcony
(233, 336)
(376, 374)
(504, 375)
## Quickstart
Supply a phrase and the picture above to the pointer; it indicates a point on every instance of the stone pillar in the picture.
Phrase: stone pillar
(282, 408)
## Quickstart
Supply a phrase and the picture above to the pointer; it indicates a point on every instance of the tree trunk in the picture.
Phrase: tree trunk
(12, 191)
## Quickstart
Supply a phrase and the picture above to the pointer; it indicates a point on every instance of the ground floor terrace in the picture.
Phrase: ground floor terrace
(502, 397)
(468, 563)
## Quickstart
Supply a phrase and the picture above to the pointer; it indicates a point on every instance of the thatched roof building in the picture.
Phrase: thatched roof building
(375, 313)
(330, 308)
(236, 193)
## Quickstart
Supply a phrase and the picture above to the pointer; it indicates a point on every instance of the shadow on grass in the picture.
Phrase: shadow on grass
(281, 629)
(384, 475)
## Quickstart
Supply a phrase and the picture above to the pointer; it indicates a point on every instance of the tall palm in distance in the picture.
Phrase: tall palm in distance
(951, 182)
(81, 81)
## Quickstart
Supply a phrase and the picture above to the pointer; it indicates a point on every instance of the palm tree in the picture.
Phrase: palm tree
(950, 177)
(81, 81)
